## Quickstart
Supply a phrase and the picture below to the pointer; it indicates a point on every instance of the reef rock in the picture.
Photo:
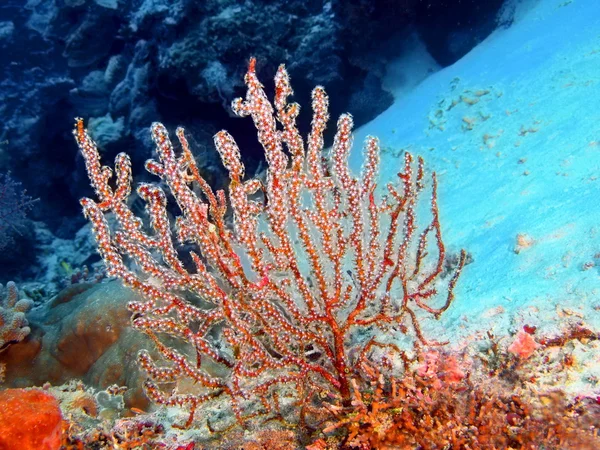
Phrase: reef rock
(83, 333)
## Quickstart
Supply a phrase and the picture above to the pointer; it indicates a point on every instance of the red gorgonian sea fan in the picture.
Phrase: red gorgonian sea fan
(297, 292)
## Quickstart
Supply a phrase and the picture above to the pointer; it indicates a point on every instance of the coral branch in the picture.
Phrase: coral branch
(279, 298)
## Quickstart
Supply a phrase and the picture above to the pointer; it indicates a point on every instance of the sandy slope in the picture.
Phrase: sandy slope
(513, 130)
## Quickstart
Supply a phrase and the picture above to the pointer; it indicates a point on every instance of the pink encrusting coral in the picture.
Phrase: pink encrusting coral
(297, 293)
(524, 345)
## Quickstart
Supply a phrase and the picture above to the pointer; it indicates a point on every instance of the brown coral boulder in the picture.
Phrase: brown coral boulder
(83, 333)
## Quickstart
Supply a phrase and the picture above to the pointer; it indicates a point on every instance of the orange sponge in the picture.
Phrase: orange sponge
(30, 419)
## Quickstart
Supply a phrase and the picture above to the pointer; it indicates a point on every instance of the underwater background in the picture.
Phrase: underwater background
(499, 98)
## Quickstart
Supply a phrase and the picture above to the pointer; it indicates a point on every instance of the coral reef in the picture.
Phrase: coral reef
(125, 63)
(82, 333)
(443, 399)
(265, 313)
(480, 413)
(304, 306)
(14, 204)
(13, 324)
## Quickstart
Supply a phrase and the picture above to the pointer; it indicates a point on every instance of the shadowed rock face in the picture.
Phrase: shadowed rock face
(83, 333)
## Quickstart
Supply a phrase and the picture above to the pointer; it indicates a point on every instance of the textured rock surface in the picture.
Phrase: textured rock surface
(83, 333)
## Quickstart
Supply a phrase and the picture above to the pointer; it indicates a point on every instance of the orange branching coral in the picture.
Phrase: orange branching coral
(278, 298)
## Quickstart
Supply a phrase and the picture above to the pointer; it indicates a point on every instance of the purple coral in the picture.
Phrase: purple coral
(14, 204)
